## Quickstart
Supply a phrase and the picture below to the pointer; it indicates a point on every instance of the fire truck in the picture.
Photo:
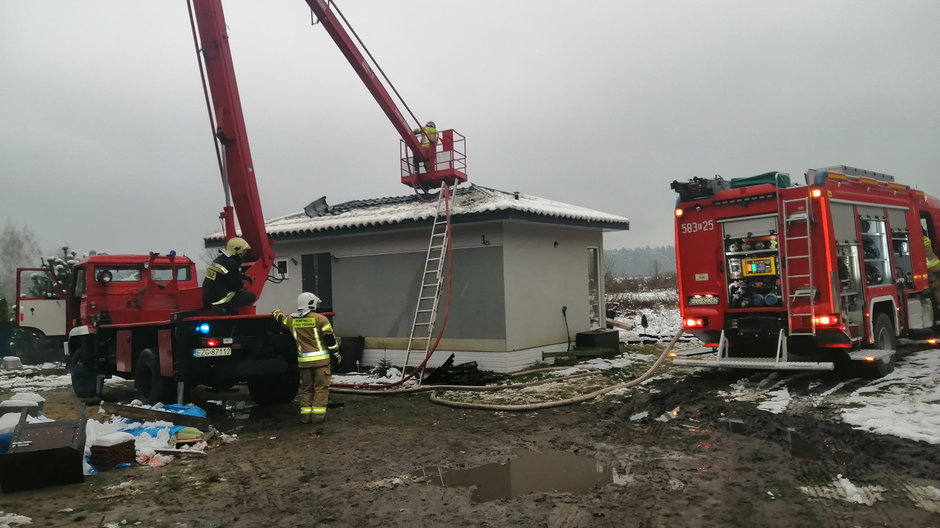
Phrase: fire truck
(822, 276)
(142, 317)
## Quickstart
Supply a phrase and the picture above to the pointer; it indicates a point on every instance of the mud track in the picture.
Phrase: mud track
(680, 451)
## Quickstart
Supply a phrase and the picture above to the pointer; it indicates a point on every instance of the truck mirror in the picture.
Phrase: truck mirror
(104, 276)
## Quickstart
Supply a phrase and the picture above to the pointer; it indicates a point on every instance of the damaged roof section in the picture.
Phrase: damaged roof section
(473, 203)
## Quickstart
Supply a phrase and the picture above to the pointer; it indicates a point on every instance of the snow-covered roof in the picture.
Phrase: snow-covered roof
(472, 202)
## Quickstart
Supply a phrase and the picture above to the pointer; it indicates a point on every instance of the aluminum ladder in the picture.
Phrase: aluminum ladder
(798, 265)
(432, 278)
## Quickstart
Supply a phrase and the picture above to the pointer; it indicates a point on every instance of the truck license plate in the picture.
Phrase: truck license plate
(212, 352)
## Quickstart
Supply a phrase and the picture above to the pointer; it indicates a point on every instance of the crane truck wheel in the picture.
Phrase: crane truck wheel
(151, 386)
(883, 331)
(84, 384)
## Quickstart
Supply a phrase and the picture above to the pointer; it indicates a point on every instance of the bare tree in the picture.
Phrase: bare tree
(18, 248)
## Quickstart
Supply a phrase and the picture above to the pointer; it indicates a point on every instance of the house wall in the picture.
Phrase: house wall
(542, 277)
(376, 277)
(509, 284)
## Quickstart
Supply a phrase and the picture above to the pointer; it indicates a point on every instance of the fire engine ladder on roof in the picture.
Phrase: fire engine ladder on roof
(799, 291)
(429, 294)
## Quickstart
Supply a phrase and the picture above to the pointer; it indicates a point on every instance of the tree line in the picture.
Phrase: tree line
(646, 261)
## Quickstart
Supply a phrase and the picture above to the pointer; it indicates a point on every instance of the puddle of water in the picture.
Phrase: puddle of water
(548, 471)
(735, 426)
(800, 445)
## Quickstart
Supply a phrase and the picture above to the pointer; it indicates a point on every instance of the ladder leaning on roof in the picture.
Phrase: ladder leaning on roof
(432, 278)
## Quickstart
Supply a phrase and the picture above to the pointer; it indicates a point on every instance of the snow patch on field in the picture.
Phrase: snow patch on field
(905, 403)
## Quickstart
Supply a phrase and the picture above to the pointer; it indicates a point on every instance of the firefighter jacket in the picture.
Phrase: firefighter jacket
(933, 264)
(313, 334)
(223, 279)
(427, 135)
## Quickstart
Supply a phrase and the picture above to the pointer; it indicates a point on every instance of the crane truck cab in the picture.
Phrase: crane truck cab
(106, 289)
(141, 317)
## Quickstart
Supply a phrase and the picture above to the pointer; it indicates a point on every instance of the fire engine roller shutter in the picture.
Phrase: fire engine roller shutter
(868, 212)
(898, 219)
(755, 225)
(843, 223)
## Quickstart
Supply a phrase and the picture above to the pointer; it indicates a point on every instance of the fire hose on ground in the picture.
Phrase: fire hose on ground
(521, 407)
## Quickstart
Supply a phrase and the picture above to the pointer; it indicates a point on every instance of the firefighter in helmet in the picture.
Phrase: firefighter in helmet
(933, 269)
(316, 347)
(223, 287)
(428, 138)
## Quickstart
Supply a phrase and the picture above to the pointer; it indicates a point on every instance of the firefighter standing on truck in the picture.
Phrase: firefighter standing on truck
(316, 346)
(933, 269)
(223, 287)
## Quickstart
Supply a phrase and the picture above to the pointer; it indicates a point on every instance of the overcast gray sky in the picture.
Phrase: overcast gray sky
(105, 143)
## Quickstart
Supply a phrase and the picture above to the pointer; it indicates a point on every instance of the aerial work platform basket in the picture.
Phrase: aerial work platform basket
(448, 163)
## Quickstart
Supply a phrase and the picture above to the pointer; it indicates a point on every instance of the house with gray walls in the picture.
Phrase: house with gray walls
(526, 277)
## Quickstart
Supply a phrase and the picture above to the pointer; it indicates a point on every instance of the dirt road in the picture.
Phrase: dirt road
(673, 453)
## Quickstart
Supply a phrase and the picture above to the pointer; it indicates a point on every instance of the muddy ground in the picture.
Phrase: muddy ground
(379, 461)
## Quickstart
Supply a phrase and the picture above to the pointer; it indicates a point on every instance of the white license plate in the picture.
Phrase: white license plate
(212, 352)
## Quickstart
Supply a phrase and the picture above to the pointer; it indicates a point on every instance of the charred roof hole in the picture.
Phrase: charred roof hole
(318, 207)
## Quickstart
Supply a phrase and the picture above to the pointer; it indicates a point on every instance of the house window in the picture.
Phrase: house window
(594, 286)
(318, 278)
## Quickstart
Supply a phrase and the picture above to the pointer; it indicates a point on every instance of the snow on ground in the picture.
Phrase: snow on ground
(844, 489)
(37, 378)
(31, 378)
(905, 403)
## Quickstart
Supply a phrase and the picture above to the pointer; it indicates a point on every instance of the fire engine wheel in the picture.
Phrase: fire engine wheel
(84, 382)
(884, 339)
(271, 390)
(151, 386)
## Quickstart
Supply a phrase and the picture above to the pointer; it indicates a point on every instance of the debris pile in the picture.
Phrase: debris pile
(32, 444)
(463, 374)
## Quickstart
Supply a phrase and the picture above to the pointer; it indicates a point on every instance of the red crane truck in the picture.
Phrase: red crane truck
(815, 277)
(141, 317)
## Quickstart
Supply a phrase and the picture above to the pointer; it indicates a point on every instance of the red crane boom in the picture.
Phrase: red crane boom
(237, 168)
(448, 168)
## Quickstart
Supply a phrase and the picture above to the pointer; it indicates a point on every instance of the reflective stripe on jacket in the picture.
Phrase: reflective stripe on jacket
(932, 260)
(311, 332)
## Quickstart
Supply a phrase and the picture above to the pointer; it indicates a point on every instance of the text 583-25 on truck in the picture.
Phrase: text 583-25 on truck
(814, 277)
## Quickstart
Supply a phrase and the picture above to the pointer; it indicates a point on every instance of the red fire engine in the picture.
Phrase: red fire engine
(814, 277)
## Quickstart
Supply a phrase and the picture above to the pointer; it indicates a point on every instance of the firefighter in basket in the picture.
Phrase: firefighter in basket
(316, 347)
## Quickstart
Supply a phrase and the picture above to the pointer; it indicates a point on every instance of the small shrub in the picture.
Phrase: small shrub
(381, 368)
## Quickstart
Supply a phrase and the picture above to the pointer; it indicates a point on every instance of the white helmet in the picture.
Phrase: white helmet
(307, 302)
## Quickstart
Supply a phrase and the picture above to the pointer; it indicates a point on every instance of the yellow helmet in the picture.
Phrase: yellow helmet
(236, 246)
